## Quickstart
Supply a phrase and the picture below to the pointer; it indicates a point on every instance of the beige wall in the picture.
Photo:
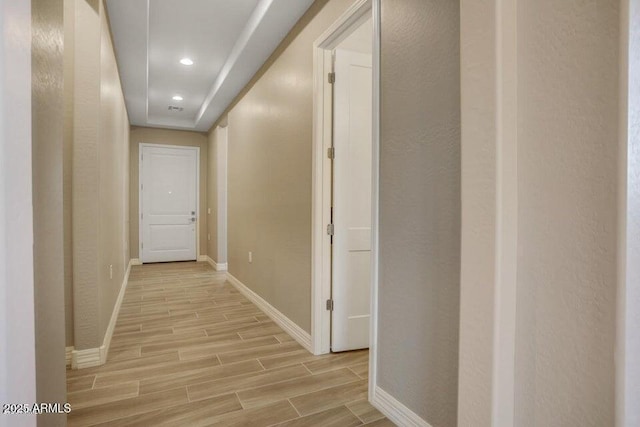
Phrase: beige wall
(212, 195)
(48, 267)
(17, 329)
(85, 196)
(269, 173)
(67, 171)
(100, 179)
(555, 92)
(628, 349)
(419, 240)
(567, 176)
(113, 155)
(167, 137)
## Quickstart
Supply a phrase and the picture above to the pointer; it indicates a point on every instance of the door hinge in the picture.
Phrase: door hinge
(141, 186)
(330, 229)
(330, 304)
(142, 245)
(141, 216)
(332, 77)
(331, 152)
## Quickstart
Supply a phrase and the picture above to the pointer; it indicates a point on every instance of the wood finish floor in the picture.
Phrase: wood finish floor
(190, 350)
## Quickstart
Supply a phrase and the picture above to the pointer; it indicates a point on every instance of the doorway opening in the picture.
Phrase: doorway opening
(345, 183)
(169, 203)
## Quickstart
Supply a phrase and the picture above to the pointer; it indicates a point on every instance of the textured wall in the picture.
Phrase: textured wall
(17, 329)
(85, 176)
(100, 191)
(478, 249)
(67, 171)
(567, 177)
(48, 268)
(212, 196)
(269, 204)
(169, 137)
(561, 81)
(113, 155)
(419, 242)
(629, 280)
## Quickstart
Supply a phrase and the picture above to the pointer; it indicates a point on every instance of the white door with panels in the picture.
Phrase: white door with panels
(351, 250)
(168, 203)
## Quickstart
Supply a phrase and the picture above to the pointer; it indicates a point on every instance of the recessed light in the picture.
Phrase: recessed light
(177, 98)
(186, 61)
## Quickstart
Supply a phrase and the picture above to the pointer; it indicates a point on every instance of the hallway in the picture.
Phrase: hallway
(189, 349)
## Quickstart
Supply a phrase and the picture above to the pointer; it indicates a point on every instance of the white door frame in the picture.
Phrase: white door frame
(360, 11)
(141, 147)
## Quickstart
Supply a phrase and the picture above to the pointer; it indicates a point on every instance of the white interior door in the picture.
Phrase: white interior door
(351, 257)
(168, 203)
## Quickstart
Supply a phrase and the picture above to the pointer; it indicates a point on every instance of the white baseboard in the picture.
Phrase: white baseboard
(283, 321)
(81, 359)
(67, 355)
(98, 356)
(203, 258)
(135, 261)
(396, 411)
(216, 266)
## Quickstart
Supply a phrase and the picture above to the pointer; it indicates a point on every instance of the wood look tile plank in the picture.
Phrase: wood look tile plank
(123, 365)
(124, 408)
(364, 411)
(190, 350)
(163, 340)
(143, 372)
(254, 353)
(361, 369)
(181, 378)
(80, 383)
(284, 390)
(261, 330)
(283, 337)
(257, 417)
(193, 414)
(124, 353)
(229, 347)
(334, 417)
(244, 382)
(179, 343)
(330, 397)
(291, 358)
(339, 360)
(118, 330)
(381, 423)
(98, 396)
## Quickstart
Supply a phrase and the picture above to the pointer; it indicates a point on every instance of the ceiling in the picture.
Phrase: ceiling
(227, 40)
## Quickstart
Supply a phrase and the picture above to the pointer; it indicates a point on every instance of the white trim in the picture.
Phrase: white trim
(283, 321)
(203, 258)
(321, 166)
(504, 338)
(216, 266)
(88, 358)
(141, 147)
(222, 154)
(396, 411)
(67, 356)
(375, 197)
(135, 261)
(98, 356)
